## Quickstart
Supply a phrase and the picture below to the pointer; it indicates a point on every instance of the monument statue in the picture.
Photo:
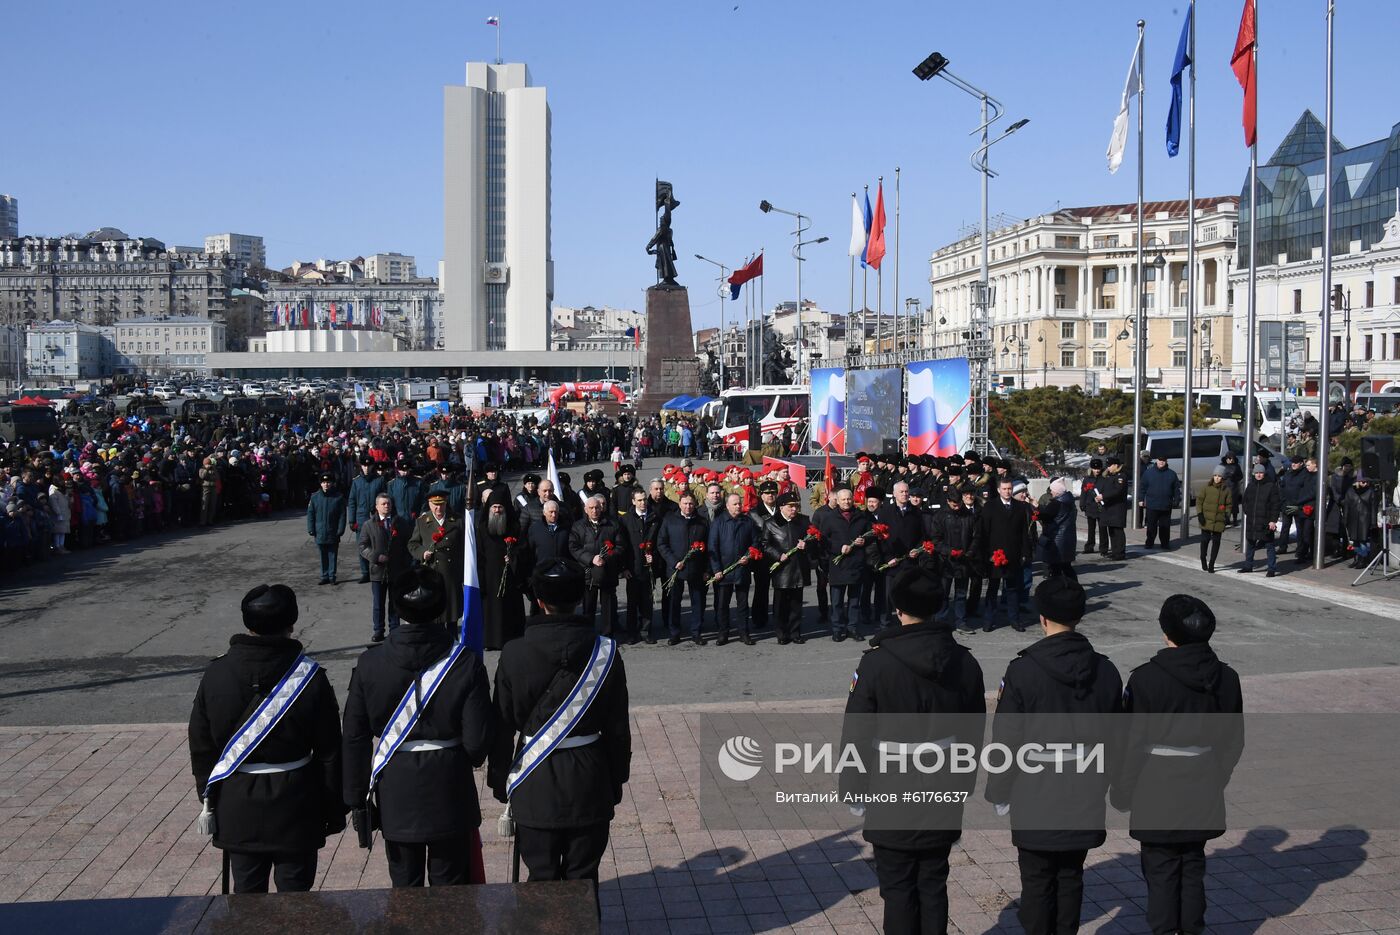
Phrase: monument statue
(661, 245)
(709, 385)
(775, 367)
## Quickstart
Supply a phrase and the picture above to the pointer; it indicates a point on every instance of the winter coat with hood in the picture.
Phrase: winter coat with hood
(1057, 535)
(1213, 506)
(428, 795)
(268, 813)
(1058, 675)
(1177, 681)
(913, 670)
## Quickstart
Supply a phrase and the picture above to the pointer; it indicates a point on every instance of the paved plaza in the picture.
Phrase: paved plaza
(103, 652)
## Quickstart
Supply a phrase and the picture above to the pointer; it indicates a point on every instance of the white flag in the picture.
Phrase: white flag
(1120, 123)
(552, 474)
(857, 230)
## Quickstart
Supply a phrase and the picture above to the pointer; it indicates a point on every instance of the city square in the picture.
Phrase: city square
(458, 560)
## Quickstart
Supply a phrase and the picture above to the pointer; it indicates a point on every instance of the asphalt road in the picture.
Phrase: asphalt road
(121, 634)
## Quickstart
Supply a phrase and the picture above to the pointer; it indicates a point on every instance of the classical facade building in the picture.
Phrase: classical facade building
(411, 310)
(1365, 334)
(106, 276)
(496, 210)
(1062, 307)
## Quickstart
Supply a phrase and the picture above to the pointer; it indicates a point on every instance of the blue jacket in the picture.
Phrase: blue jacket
(325, 517)
(1161, 489)
(407, 493)
(363, 490)
(730, 540)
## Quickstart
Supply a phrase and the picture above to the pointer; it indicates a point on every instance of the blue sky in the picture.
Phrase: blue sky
(319, 124)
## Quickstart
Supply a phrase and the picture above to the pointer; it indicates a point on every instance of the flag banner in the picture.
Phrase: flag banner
(493, 21)
(552, 474)
(1242, 63)
(751, 270)
(796, 472)
(857, 230)
(940, 394)
(875, 249)
(1179, 64)
(828, 409)
(473, 630)
(1119, 139)
(865, 222)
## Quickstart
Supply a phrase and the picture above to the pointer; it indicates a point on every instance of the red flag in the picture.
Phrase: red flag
(875, 250)
(1242, 62)
(751, 270)
(637, 336)
(829, 478)
(332, 314)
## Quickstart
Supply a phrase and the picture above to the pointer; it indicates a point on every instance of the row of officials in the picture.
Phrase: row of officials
(277, 773)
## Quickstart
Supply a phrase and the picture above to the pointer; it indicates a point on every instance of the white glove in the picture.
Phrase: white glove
(1003, 809)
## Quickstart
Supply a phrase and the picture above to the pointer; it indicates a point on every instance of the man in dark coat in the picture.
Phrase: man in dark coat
(360, 506)
(1059, 674)
(1175, 769)
(1262, 512)
(325, 524)
(383, 544)
(549, 536)
(501, 569)
(953, 531)
(732, 535)
(563, 808)
(599, 544)
(274, 813)
(914, 668)
(906, 526)
(1111, 494)
(762, 513)
(1293, 485)
(676, 543)
(843, 550)
(1359, 509)
(1161, 492)
(426, 804)
(1089, 506)
(407, 490)
(641, 523)
(1004, 538)
(438, 541)
(788, 532)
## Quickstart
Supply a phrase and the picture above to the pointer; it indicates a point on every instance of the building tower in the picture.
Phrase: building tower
(498, 270)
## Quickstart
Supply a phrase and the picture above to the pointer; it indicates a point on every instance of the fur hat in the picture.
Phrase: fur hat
(269, 609)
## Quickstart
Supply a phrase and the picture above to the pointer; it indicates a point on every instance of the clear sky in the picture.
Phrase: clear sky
(319, 124)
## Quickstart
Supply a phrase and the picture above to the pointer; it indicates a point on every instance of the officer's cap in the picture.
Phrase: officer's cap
(916, 594)
(1061, 599)
(558, 583)
(787, 498)
(419, 595)
(437, 496)
(269, 609)
(768, 486)
(328, 477)
(1113, 461)
(1186, 619)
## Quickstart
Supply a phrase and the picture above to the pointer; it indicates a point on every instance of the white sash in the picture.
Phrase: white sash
(408, 712)
(246, 739)
(549, 737)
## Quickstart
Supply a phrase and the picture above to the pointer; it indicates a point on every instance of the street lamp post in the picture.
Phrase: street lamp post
(720, 291)
(1341, 302)
(980, 344)
(766, 207)
(1159, 264)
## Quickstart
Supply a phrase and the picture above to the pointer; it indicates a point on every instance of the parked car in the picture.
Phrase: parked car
(1208, 447)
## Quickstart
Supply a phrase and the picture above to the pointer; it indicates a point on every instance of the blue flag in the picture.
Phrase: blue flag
(869, 220)
(1178, 67)
(473, 628)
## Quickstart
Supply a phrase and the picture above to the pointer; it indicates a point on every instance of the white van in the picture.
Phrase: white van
(1208, 447)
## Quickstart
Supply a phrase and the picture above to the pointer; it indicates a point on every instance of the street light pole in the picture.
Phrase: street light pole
(719, 290)
(766, 207)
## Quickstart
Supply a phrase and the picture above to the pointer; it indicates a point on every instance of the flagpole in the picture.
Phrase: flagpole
(851, 312)
(1324, 383)
(865, 283)
(762, 323)
(896, 263)
(1139, 325)
(1190, 282)
(880, 278)
(1251, 321)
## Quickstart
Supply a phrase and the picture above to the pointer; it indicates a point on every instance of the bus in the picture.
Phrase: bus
(772, 407)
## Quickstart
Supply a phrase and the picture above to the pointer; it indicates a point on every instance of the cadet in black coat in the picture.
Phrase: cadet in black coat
(269, 821)
(914, 668)
(563, 808)
(1060, 674)
(426, 795)
(784, 533)
(1175, 769)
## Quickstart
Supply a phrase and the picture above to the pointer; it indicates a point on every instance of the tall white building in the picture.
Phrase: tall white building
(390, 267)
(247, 247)
(498, 269)
(9, 216)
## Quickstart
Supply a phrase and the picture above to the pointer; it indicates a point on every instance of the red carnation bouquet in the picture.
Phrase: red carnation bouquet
(439, 534)
(999, 559)
(1307, 509)
(813, 535)
(505, 573)
(696, 547)
(878, 532)
(752, 555)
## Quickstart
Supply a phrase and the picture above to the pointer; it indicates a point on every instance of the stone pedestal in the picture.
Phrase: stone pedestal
(671, 365)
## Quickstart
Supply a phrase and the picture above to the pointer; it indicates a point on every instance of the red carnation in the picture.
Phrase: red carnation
(999, 559)
(880, 531)
(511, 540)
(1307, 509)
(1088, 485)
(755, 554)
(644, 546)
(929, 547)
(439, 534)
(813, 532)
(957, 553)
(608, 547)
(696, 546)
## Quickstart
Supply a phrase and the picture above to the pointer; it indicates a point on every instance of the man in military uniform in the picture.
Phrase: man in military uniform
(1059, 674)
(425, 795)
(1111, 495)
(787, 533)
(1167, 755)
(325, 524)
(762, 513)
(273, 813)
(915, 668)
(437, 542)
(363, 489)
(562, 808)
(406, 489)
(1093, 513)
